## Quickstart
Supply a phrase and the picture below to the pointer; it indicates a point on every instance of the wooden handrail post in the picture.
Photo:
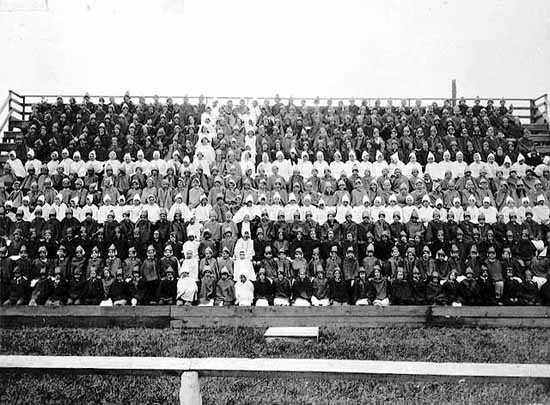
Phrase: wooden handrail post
(533, 111)
(190, 390)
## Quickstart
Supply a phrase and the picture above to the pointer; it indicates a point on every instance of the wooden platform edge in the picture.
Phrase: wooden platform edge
(201, 317)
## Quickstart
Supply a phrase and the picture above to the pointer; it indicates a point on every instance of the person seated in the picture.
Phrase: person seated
(167, 288)
(107, 281)
(59, 290)
(380, 284)
(76, 289)
(42, 289)
(18, 290)
(243, 265)
(301, 289)
(320, 289)
(418, 287)
(338, 289)
(282, 289)
(434, 290)
(207, 291)
(137, 288)
(451, 290)
(118, 293)
(263, 290)
(244, 291)
(470, 290)
(94, 292)
(529, 292)
(512, 288)
(401, 291)
(363, 291)
(486, 288)
(225, 289)
(186, 288)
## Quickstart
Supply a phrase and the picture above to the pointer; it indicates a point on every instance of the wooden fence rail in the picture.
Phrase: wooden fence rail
(193, 368)
(200, 317)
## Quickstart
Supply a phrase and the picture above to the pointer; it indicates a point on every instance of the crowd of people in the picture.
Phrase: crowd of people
(274, 203)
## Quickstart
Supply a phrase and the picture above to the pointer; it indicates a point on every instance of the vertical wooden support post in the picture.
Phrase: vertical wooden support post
(190, 391)
(453, 92)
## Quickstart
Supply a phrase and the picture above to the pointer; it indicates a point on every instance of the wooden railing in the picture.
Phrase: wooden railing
(4, 114)
(525, 107)
(193, 368)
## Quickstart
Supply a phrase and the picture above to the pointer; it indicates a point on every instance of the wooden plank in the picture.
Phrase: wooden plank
(492, 322)
(350, 316)
(521, 108)
(86, 316)
(333, 321)
(243, 367)
(540, 138)
(86, 310)
(292, 331)
(292, 334)
(493, 312)
(537, 127)
(391, 311)
(492, 317)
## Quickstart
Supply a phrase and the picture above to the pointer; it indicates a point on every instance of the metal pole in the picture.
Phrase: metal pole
(453, 91)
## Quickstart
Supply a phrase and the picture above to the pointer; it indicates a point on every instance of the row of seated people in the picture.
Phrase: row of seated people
(301, 206)
(524, 236)
(153, 269)
(128, 127)
(113, 290)
(446, 180)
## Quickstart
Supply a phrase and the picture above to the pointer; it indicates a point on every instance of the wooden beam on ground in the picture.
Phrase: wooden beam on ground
(243, 367)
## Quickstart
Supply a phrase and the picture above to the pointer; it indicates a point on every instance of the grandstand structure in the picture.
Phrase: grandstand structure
(416, 201)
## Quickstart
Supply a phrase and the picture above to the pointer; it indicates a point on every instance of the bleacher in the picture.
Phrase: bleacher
(392, 173)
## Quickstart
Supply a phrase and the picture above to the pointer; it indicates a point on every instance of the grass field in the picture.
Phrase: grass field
(431, 344)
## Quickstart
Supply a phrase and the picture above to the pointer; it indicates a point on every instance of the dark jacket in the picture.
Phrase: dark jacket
(362, 289)
(338, 291)
(302, 288)
(401, 293)
(263, 290)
